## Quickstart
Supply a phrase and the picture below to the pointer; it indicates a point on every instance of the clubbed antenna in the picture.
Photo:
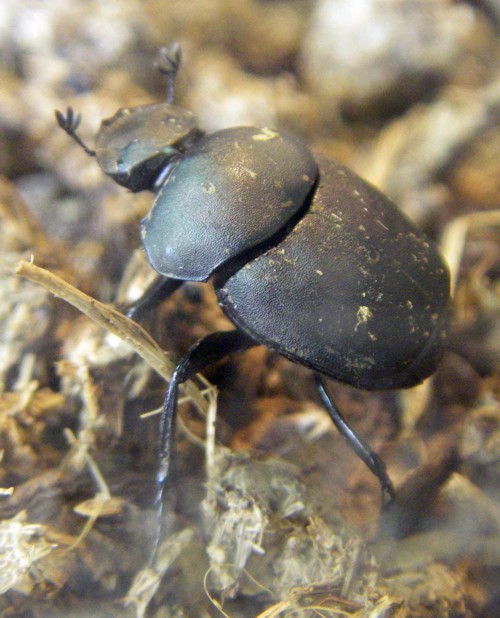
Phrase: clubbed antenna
(70, 122)
(169, 59)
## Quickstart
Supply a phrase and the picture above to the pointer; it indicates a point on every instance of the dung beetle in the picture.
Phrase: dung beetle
(305, 256)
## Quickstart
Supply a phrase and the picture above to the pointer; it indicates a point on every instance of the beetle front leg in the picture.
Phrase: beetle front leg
(210, 349)
(362, 450)
(157, 291)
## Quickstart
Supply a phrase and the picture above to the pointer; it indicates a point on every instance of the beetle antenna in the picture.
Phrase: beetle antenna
(169, 60)
(69, 123)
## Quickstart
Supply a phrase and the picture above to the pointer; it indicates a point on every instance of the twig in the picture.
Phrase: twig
(114, 322)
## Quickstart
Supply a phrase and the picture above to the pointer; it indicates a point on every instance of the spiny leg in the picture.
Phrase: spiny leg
(371, 459)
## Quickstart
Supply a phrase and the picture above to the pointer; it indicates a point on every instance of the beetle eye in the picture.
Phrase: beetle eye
(122, 173)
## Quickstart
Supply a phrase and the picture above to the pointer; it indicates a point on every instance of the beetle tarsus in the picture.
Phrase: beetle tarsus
(169, 60)
(69, 123)
(371, 459)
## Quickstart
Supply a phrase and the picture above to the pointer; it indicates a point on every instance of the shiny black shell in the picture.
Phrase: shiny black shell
(354, 290)
(231, 191)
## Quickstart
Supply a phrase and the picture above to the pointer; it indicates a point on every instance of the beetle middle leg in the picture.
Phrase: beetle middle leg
(371, 459)
(159, 290)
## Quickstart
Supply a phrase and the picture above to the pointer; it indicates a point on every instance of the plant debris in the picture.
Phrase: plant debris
(268, 513)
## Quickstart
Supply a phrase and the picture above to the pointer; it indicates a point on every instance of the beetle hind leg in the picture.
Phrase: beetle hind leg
(371, 459)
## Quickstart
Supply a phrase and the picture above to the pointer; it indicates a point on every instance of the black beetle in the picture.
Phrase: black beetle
(305, 256)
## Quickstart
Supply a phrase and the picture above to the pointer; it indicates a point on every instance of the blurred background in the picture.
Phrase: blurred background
(285, 521)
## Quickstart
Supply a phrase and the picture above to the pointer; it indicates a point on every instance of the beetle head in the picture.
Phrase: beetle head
(136, 144)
